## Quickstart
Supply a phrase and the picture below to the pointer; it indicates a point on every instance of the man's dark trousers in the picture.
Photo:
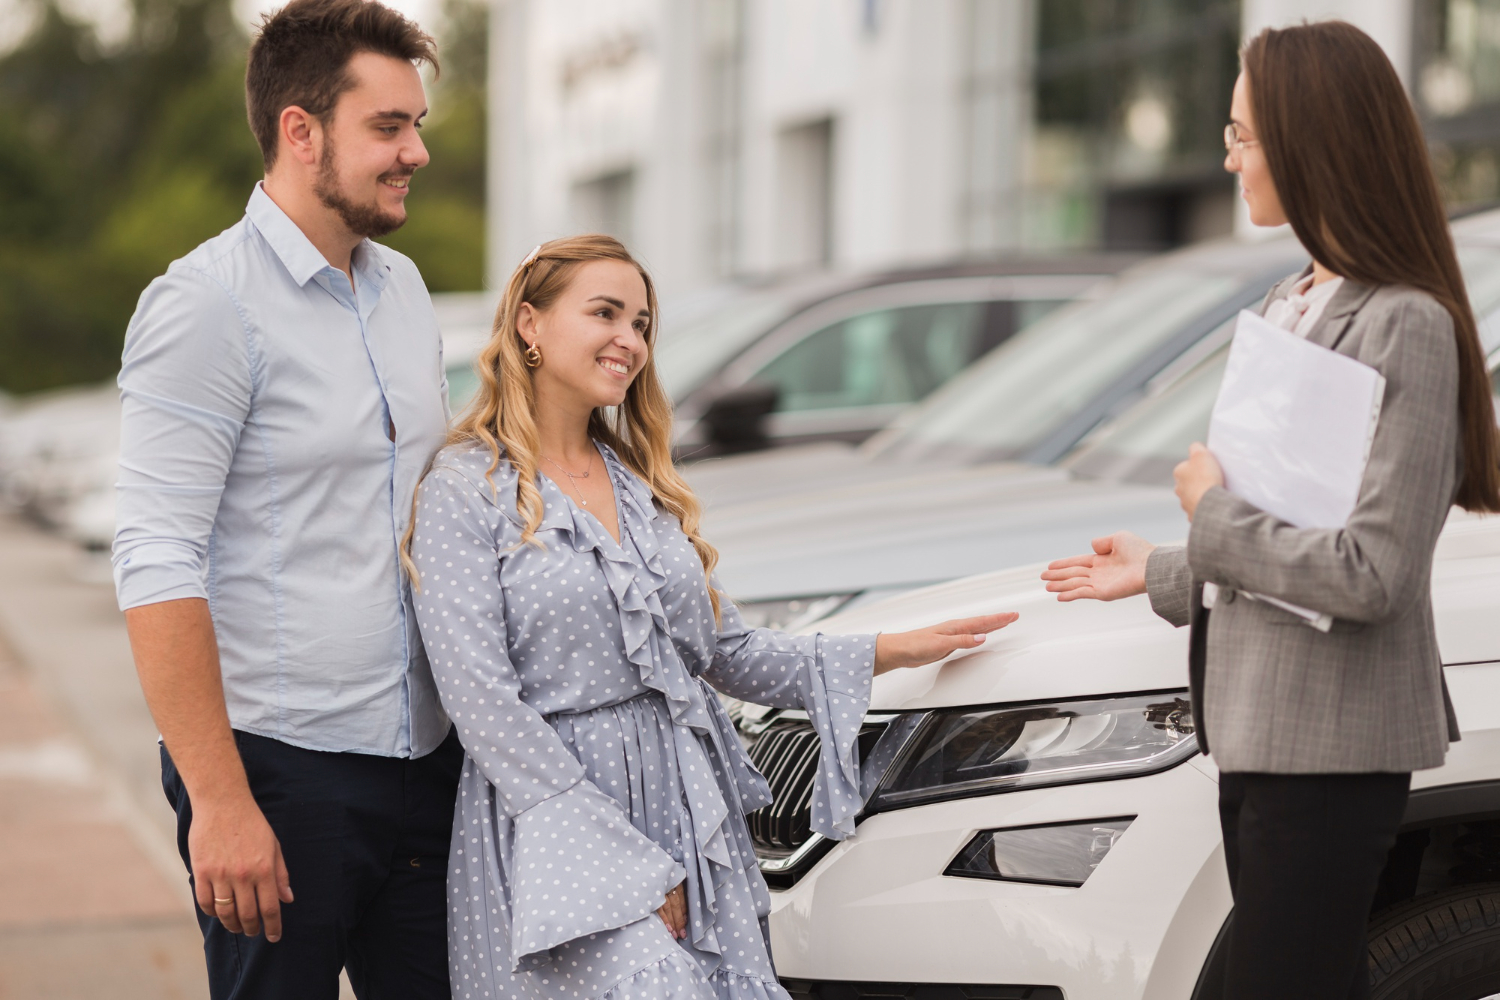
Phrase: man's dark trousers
(1304, 853)
(365, 840)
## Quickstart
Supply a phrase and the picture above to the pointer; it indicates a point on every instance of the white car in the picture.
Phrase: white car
(1040, 824)
(58, 455)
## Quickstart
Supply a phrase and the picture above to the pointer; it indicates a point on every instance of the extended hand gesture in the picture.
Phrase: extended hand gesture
(1115, 569)
(894, 650)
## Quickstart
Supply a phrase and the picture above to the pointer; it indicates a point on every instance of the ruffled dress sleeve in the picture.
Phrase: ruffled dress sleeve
(828, 676)
(576, 864)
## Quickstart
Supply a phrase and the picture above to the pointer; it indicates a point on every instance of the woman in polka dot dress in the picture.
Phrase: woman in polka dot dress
(599, 845)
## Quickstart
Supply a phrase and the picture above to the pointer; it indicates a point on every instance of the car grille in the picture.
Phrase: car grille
(784, 747)
(787, 754)
(816, 989)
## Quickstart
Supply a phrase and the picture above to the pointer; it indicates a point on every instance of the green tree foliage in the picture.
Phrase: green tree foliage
(444, 232)
(114, 163)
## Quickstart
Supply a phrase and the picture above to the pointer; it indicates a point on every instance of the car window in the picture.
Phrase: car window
(1046, 374)
(463, 383)
(1148, 441)
(1481, 267)
(891, 356)
(689, 355)
(1495, 384)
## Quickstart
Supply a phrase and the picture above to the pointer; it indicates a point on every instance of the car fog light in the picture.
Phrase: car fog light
(1061, 854)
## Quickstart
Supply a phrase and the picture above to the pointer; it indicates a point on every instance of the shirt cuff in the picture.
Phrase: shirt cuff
(146, 577)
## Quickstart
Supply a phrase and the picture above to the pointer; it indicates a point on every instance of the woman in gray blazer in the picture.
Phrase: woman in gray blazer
(1316, 733)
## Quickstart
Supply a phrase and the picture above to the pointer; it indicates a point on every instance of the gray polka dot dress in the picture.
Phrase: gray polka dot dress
(601, 770)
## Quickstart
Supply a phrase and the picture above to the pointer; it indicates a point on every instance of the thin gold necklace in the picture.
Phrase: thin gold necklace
(572, 479)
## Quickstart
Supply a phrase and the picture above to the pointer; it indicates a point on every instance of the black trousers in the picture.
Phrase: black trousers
(365, 840)
(1305, 852)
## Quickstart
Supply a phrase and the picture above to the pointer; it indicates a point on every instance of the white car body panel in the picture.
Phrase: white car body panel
(878, 908)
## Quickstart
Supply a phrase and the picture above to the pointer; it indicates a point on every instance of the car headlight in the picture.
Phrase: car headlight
(953, 753)
(790, 615)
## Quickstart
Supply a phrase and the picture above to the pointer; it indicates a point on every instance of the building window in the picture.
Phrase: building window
(722, 46)
(1131, 97)
(997, 109)
(804, 195)
(1458, 95)
(605, 204)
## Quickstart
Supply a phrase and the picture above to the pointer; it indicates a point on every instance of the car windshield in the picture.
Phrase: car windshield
(1148, 441)
(689, 355)
(1145, 444)
(1032, 384)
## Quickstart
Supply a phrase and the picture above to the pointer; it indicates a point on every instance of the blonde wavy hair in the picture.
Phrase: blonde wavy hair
(502, 414)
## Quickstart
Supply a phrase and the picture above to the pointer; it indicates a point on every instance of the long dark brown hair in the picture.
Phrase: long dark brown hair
(1350, 166)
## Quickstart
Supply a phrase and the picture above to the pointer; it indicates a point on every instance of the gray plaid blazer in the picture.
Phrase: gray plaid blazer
(1273, 694)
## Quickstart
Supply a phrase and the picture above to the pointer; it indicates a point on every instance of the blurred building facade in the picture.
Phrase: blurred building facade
(725, 139)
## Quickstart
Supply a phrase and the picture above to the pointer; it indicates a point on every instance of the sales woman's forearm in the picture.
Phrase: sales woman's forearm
(1359, 573)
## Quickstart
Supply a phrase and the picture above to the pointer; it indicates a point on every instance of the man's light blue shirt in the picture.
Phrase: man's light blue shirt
(259, 390)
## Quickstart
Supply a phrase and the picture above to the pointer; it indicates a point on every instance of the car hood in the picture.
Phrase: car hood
(926, 526)
(1089, 648)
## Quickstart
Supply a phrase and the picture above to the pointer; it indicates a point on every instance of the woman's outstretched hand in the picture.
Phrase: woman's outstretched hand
(673, 912)
(894, 650)
(1115, 569)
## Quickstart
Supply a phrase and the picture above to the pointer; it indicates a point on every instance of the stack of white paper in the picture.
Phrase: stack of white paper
(1292, 429)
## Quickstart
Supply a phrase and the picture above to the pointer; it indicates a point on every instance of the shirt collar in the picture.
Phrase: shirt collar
(1312, 293)
(371, 265)
(297, 253)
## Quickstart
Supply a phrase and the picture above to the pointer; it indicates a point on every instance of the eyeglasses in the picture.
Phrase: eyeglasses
(1232, 141)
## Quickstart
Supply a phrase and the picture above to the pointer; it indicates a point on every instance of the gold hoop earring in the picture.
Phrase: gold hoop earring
(533, 357)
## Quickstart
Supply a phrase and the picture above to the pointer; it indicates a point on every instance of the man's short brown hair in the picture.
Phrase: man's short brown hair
(301, 57)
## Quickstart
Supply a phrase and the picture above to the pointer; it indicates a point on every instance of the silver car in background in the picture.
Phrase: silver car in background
(961, 483)
(838, 359)
(1010, 463)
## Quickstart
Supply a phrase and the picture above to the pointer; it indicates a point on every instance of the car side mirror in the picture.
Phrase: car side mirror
(736, 420)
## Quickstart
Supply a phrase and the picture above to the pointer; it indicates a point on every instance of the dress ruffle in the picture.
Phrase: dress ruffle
(716, 759)
(675, 977)
(728, 985)
(837, 712)
(578, 866)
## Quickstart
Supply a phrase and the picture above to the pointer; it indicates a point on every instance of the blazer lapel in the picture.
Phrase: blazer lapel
(1331, 326)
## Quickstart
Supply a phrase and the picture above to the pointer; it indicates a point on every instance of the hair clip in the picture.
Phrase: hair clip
(531, 257)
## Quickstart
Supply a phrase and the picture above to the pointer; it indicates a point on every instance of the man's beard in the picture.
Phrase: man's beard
(366, 220)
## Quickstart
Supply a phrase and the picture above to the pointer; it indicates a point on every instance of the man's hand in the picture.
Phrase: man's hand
(1115, 569)
(673, 912)
(1195, 477)
(233, 854)
(238, 873)
(894, 650)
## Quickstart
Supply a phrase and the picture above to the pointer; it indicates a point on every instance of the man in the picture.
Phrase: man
(283, 390)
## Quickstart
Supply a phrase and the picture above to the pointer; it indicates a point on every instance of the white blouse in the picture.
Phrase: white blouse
(1300, 311)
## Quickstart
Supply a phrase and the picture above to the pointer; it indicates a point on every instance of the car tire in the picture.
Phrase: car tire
(1440, 947)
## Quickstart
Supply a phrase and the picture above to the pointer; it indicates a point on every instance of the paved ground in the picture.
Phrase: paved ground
(91, 904)
(94, 902)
